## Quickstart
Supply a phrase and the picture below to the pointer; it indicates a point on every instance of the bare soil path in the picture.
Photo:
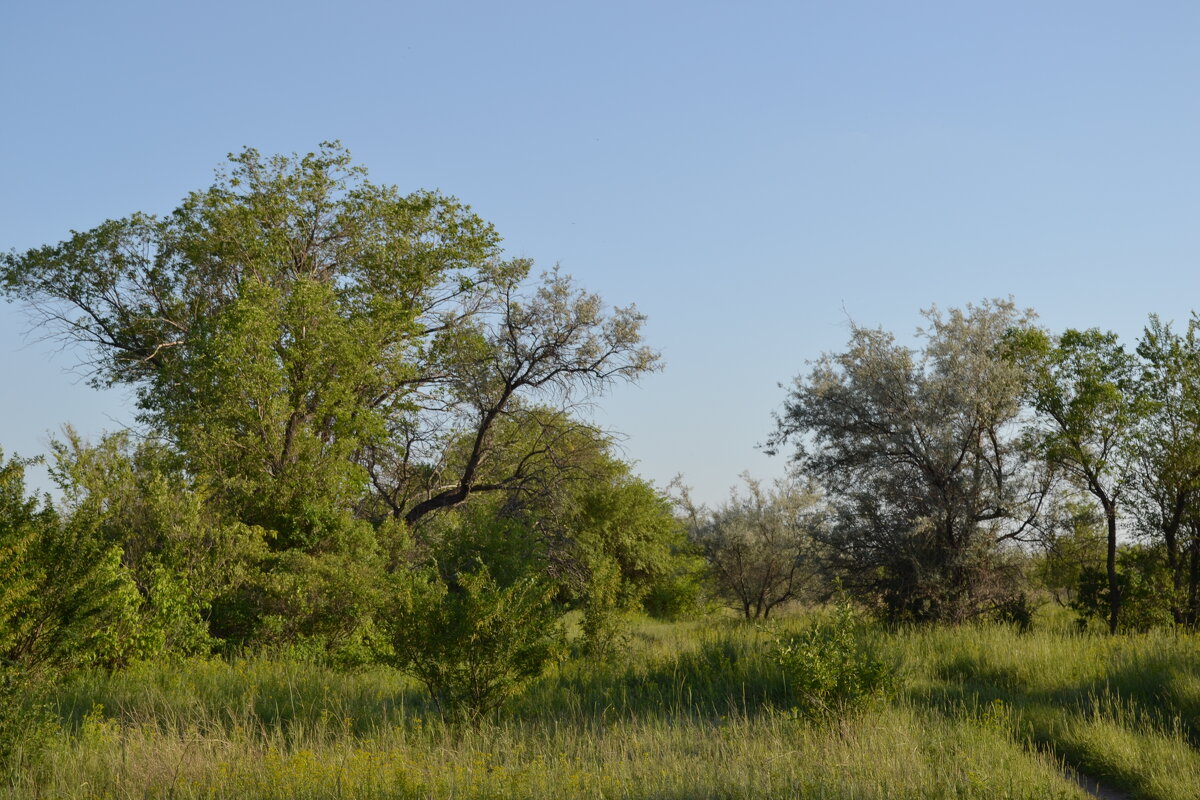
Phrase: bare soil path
(1095, 788)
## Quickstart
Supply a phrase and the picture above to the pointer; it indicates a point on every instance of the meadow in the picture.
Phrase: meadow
(687, 710)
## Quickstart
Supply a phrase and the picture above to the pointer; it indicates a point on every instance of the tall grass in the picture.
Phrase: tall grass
(693, 710)
(1121, 709)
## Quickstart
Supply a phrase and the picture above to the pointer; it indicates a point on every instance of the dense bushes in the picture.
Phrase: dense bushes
(65, 601)
(135, 562)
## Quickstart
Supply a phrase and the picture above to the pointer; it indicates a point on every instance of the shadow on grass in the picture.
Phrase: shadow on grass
(724, 675)
(1146, 692)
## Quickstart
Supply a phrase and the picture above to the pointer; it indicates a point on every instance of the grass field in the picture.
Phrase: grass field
(691, 710)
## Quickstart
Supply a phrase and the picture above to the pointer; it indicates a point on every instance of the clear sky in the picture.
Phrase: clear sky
(750, 174)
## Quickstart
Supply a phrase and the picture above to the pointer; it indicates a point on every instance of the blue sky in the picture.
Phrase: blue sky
(752, 175)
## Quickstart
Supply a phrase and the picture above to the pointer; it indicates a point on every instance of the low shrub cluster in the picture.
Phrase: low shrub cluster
(832, 668)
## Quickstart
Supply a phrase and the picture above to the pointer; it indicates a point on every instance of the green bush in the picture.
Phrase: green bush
(318, 605)
(1145, 586)
(472, 641)
(65, 597)
(27, 724)
(829, 667)
(173, 546)
(682, 592)
(603, 623)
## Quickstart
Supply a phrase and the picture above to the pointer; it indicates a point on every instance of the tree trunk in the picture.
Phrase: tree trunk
(1193, 594)
(1170, 530)
(1114, 589)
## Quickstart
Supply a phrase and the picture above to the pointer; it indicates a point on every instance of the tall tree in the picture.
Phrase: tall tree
(1083, 387)
(917, 451)
(301, 334)
(1167, 479)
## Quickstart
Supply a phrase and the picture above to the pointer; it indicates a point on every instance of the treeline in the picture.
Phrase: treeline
(357, 439)
(996, 461)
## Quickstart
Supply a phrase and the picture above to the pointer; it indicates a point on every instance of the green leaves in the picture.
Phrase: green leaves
(65, 593)
(314, 354)
(20, 520)
(830, 667)
(917, 451)
(474, 642)
(272, 323)
(303, 336)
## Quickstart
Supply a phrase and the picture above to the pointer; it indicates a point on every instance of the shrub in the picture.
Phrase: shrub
(472, 641)
(682, 593)
(65, 598)
(830, 668)
(25, 720)
(1017, 610)
(1145, 587)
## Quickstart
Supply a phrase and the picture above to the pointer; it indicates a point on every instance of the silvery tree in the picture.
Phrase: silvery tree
(919, 453)
(761, 544)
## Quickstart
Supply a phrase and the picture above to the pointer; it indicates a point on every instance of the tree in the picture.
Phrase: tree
(1082, 385)
(1167, 463)
(499, 392)
(917, 452)
(302, 336)
(1072, 542)
(761, 546)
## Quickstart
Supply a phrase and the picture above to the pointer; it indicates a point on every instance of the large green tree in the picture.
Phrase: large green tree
(1083, 388)
(302, 336)
(1167, 449)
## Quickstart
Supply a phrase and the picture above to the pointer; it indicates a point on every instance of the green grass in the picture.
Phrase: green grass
(1122, 709)
(694, 710)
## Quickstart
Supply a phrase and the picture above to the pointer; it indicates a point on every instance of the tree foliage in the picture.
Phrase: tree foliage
(1082, 386)
(65, 599)
(918, 454)
(1072, 543)
(1167, 457)
(300, 334)
(761, 546)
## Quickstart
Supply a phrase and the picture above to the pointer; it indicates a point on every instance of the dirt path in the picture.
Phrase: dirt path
(1094, 787)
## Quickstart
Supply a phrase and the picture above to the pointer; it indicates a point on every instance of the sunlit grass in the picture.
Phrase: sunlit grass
(692, 710)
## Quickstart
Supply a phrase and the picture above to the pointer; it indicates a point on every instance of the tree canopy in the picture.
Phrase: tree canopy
(302, 336)
(917, 453)
(347, 395)
(1082, 387)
